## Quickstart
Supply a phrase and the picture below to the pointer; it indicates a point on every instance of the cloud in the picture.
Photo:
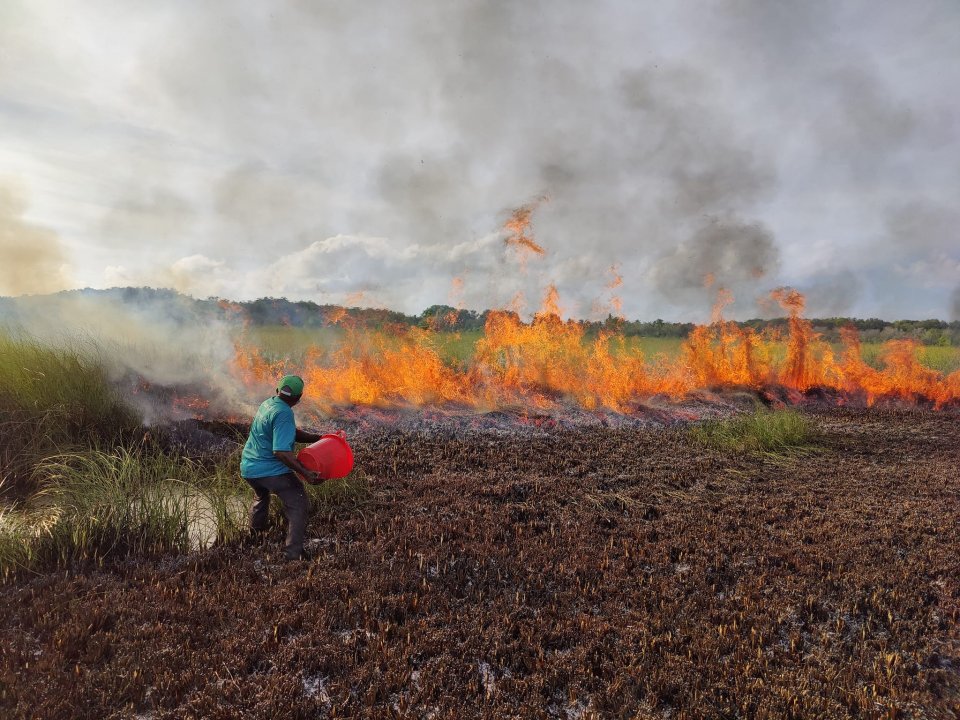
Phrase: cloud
(153, 215)
(33, 259)
(920, 226)
(342, 267)
(195, 275)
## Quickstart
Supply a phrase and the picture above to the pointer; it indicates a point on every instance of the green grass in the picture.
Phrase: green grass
(77, 487)
(278, 342)
(94, 503)
(762, 431)
(457, 348)
(51, 400)
(943, 359)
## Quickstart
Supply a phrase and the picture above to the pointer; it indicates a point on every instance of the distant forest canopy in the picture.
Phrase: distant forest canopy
(304, 313)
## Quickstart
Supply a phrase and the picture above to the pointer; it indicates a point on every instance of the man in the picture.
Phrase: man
(269, 464)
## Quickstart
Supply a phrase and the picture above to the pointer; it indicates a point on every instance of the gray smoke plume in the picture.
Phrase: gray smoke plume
(955, 304)
(724, 253)
(833, 294)
(313, 151)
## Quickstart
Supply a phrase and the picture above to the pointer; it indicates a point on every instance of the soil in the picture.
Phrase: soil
(557, 572)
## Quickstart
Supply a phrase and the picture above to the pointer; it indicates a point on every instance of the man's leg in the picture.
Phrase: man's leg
(296, 506)
(260, 510)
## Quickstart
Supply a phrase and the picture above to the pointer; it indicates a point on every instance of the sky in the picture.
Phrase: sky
(371, 153)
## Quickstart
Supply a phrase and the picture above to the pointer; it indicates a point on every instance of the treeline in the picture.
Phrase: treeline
(928, 332)
(304, 313)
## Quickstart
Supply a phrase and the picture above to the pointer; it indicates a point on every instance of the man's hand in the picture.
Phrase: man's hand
(290, 460)
(313, 477)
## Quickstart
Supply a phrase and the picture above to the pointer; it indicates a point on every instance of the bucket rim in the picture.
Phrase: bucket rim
(335, 436)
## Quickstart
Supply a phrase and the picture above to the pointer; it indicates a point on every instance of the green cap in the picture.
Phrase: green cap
(290, 386)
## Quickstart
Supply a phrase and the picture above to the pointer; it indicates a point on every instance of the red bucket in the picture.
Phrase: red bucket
(330, 456)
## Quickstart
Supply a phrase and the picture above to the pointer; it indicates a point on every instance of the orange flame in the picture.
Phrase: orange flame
(355, 298)
(518, 225)
(616, 280)
(548, 361)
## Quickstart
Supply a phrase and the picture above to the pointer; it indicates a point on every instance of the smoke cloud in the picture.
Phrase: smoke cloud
(34, 261)
(153, 337)
(727, 253)
(311, 151)
(833, 294)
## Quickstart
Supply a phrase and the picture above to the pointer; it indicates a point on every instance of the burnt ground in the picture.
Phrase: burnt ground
(573, 574)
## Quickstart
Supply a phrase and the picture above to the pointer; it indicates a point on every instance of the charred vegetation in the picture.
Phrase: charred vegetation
(596, 572)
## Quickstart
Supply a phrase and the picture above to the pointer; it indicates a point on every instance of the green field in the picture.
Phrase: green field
(279, 341)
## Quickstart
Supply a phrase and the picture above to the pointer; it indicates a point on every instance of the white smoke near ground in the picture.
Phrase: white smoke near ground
(154, 346)
(231, 148)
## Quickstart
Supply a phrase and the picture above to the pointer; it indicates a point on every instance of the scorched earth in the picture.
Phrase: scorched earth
(530, 572)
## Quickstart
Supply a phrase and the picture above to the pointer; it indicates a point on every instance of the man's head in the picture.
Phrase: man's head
(290, 389)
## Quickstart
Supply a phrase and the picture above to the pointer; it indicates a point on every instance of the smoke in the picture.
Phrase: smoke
(917, 254)
(195, 275)
(34, 261)
(726, 252)
(955, 305)
(150, 342)
(833, 294)
(154, 216)
(235, 147)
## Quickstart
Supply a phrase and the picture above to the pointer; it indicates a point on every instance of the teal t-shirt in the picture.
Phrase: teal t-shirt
(273, 428)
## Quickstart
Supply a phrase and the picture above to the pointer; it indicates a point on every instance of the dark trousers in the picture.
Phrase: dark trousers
(296, 506)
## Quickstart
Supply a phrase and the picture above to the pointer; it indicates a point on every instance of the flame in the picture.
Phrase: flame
(518, 225)
(456, 292)
(616, 280)
(336, 315)
(549, 361)
(191, 403)
(551, 302)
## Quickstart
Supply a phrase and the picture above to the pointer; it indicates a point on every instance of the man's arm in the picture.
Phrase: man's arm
(306, 437)
(290, 460)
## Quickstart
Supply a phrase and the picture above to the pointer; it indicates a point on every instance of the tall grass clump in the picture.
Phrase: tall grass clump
(93, 503)
(764, 431)
(53, 399)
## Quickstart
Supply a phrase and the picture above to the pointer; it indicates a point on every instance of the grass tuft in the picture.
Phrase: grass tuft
(763, 431)
(51, 400)
(94, 503)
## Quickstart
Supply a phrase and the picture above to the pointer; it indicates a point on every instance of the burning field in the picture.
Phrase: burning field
(562, 296)
(579, 572)
(551, 524)
(547, 363)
